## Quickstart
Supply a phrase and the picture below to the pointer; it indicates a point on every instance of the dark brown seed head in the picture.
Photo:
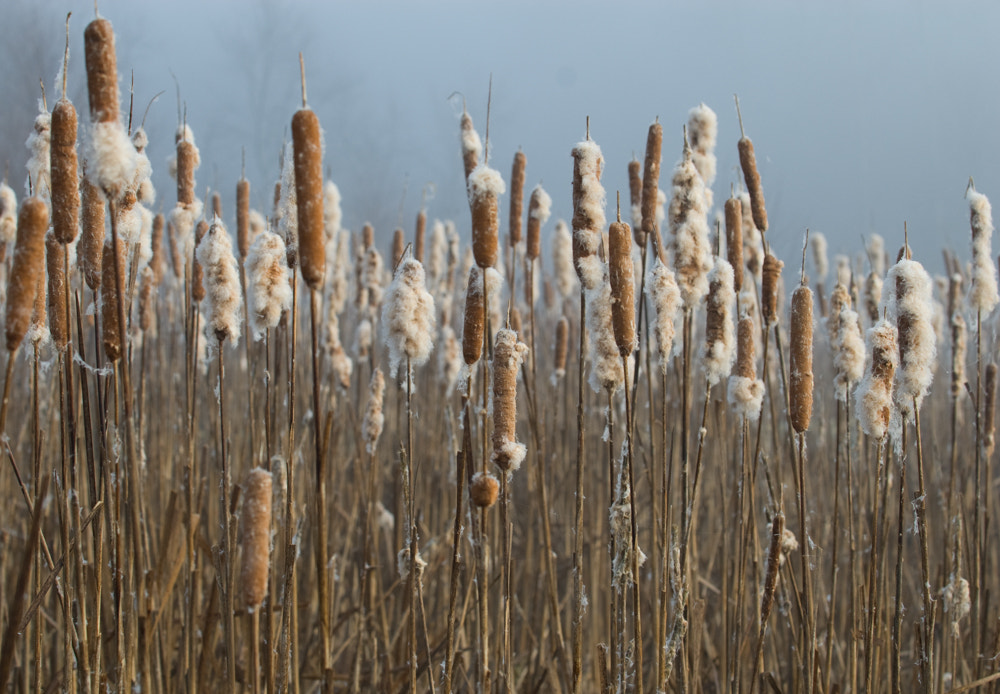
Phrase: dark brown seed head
(651, 177)
(516, 197)
(65, 182)
(398, 246)
(111, 334)
(745, 366)
(102, 71)
(185, 172)
(748, 162)
(92, 235)
(306, 141)
(420, 236)
(472, 334)
(28, 265)
(243, 216)
(800, 372)
(622, 276)
(197, 285)
(55, 257)
(734, 239)
(484, 490)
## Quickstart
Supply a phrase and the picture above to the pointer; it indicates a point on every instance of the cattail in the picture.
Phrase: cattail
(437, 257)
(286, 214)
(562, 348)
(734, 239)
(720, 342)
(514, 319)
(332, 212)
(472, 146)
(875, 249)
(703, 128)
(800, 372)
(485, 185)
(38, 329)
(243, 216)
(844, 274)
(8, 218)
(157, 260)
(197, 271)
(748, 162)
(873, 291)
(269, 292)
(28, 265)
(484, 489)
(774, 561)
(91, 244)
(622, 277)
(666, 296)
(982, 294)
(255, 542)
(339, 262)
(223, 296)
(367, 236)
(176, 259)
(990, 412)
(507, 356)
(307, 145)
(408, 317)
(771, 275)
(419, 236)
(450, 359)
(398, 245)
(363, 338)
(689, 226)
(562, 260)
(102, 71)
(588, 213)
(846, 342)
(147, 287)
(516, 197)
(607, 373)
(745, 391)
(753, 245)
(959, 336)
(55, 256)
(635, 197)
(111, 331)
(341, 365)
(873, 397)
(818, 242)
(65, 182)
(651, 179)
(371, 425)
(472, 333)
(539, 209)
(371, 276)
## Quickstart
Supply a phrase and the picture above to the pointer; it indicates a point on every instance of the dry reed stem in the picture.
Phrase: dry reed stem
(801, 369)
(516, 198)
(28, 265)
(306, 142)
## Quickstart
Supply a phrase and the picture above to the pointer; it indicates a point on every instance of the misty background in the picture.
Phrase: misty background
(863, 114)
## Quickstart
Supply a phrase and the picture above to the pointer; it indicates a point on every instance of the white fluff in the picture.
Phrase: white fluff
(341, 365)
(485, 181)
(843, 265)
(589, 163)
(848, 349)
(287, 212)
(363, 335)
(606, 364)
(719, 355)
(437, 256)
(371, 425)
(408, 317)
(269, 292)
(666, 298)
(8, 214)
(183, 218)
(746, 395)
(983, 291)
(450, 360)
(689, 226)
(39, 145)
(703, 128)
(332, 213)
(873, 397)
(543, 208)
(371, 276)
(112, 161)
(876, 254)
(562, 260)
(223, 297)
(818, 242)
(470, 139)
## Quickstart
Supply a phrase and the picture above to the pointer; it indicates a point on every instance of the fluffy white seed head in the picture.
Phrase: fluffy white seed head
(982, 295)
(269, 291)
(111, 158)
(39, 144)
(223, 297)
(817, 241)
(607, 374)
(8, 214)
(848, 348)
(873, 396)
(666, 298)
(408, 317)
(719, 352)
(371, 425)
(688, 219)
(332, 213)
(562, 260)
(746, 395)
(876, 254)
(703, 128)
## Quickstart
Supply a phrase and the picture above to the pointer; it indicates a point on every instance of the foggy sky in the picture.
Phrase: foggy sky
(863, 115)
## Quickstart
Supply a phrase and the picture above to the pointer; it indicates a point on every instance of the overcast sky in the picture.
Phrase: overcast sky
(863, 115)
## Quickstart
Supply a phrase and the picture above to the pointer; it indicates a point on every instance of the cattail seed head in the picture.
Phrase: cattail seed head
(651, 178)
(243, 217)
(187, 156)
(990, 412)
(65, 182)
(197, 271)
(514, 318)
(216, 204)
(398, 245)
(873, 290)
(157, 260)
(255, 542)
(485, 185)
(371, 425)
(516, 197)
(703, 128)
(607, 372)
(588, 212)
(507, 356)
(771, 275)
(622, 276)
(734, 239)
(845, 341)
(745, 391)
(8, 217)
(472, 146)
(176, 256)
(983, 295)
(689, 226)
(28, 265)
(484, 489)
(720, 343)
(269, 291)
(817, 241)
(91, 244)
(666, 296)
(472, 333)
(562, 347)
(539, 209)
(420, 236)
(102, 71)
(635, 198)
(147, 289)
(55, 257)
(408, 317)
(873, 397)
(800, 372)
(562, 259)
(223, 296)
(748, 162)
(911, 305)
(773, 563)
(111, 332)
(307, 145)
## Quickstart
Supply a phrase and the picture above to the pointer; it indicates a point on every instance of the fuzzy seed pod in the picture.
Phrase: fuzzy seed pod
(845, 341)
(635, 198)
(472, 146)
(651, 177)
(255, 542)
(65, 182)
(771, 275)
(745, 349)
(367, 236)
(516, 197)
(983, 295)
(734, 239)
(562, 347)
(419, 236)
(472, 334)
(539, 209)
(157, 260)
(216, 204)
(147, 289)
(398, 246)
(269, 292)
(703, 128)
(187, 155)
(111, 334)
(485, 185)
(588, 213)
(92, 236)
(55, 256)
(911, 305)
(197, 271)
(408, 317)
(746, 392)
(748, 162)
(800, 372)
(28, 265)
(666, 296)
(223, 295)
(484, 489)
(720, 348)
(8, 218)
(607, 373)
(507, 356)
(819, 253)
(873, 397)
(38, 330)
(622, 276)
(102, 71)
(873, 290)
(562, 259)
(371, 425)
(689, 225)
(243, 239)
(306, 142)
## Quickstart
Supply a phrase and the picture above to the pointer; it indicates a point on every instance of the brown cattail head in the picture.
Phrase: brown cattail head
(197, 283)
(773, 563)
(367, 236)
(176, 257)
(734, 239)
(562, 344)
(954, 295)
(622, 276)
(800, 366)
(539, 209)
(745, 336)
(111, 334)
(484, 489)
(516, 197)
(92, 236)
(102, 71)
(28, 265)
(55, 257)
(748, 162)
(635, 198)
(651, 177)
(472, 334)
(306, 142)
(398, 246)
(157, 258)
(769, 289)
(217, 204)
(65, 182)
(243, 216)
(187, 155)
(990, 414)
(255, 542)
(419, 236)
(507, 355)
(38, 331)
(471, 145)
(485, 187)
(147, 287)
